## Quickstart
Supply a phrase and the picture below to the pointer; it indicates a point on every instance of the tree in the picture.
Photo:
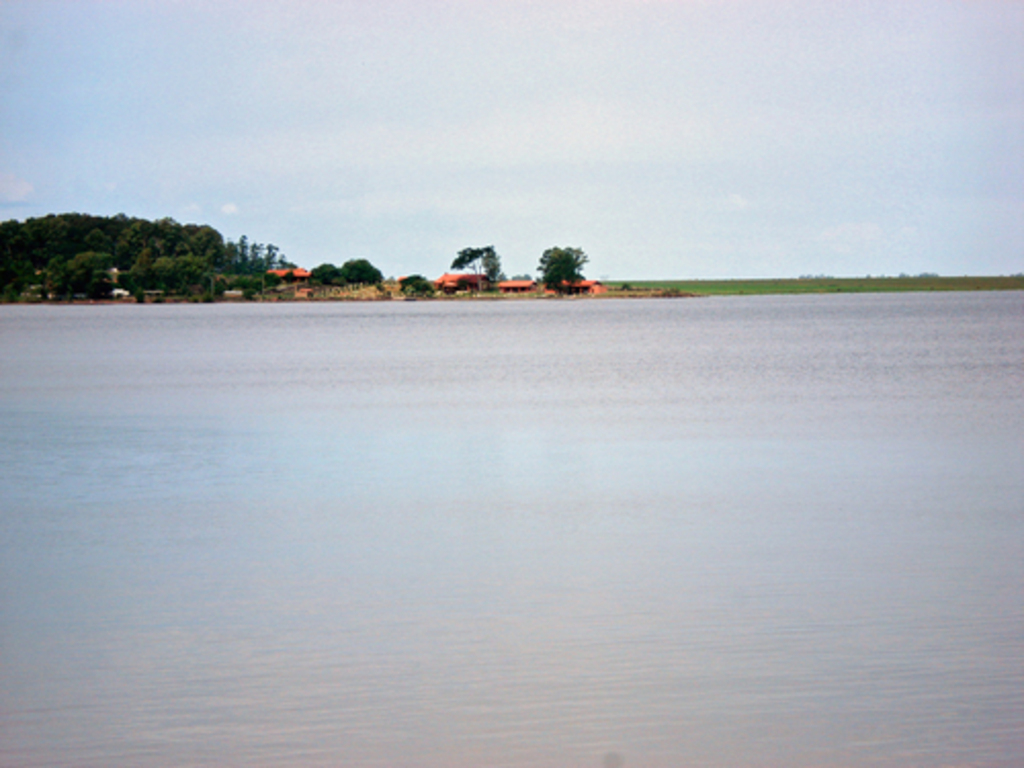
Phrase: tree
(98, 242)
(44, 251)
(85, 274)
(416, 285)
(560, 268)
(245, 258)
(491, 265)
(326, 274)
(360, 271)
(483, 260)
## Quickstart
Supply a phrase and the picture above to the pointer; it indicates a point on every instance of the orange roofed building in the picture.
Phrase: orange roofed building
(298, 273)
(591, 287)
(451, 283)
(517, 286)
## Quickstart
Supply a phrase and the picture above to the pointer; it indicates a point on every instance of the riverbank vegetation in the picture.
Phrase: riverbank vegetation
(73, 255)
(815, 284)
(64, 257)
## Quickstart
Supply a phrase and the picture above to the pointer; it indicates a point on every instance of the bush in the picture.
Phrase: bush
(416, 285)
(326, 274)
(360, 271)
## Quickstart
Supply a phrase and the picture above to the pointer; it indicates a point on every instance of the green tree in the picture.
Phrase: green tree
(87, 273)
(207, 243)
(491, 265)
(416, 285)
(560, 268)
(16, 269)
(483, 260)
(98, 242)
(133, 241)
(326, 274)
(245, 258)
(141, 273)
(360, 271)
(43, 250)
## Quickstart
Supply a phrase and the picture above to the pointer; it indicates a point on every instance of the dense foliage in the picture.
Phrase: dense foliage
(73, 254)
(352, 272)
(416, 285)
(561, 267)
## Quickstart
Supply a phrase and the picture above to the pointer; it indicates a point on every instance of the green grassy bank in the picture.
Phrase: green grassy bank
(821, 285)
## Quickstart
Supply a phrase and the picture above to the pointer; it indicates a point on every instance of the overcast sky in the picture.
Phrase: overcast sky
(667, 138)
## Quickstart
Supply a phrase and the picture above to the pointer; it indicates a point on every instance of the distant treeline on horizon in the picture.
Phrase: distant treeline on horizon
(73, 254)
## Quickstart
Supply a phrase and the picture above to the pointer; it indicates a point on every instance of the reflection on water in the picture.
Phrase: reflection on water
(750, 531)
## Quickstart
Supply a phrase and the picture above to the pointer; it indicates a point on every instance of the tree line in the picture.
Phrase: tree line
(72, 254)
(69, 255)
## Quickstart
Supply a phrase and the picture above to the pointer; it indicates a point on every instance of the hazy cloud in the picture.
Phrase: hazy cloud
(13, 189)
(738, 202)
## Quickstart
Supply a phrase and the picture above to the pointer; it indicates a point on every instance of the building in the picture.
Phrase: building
(297, 273)
(517, 286)
(455, 282)
(587, 287)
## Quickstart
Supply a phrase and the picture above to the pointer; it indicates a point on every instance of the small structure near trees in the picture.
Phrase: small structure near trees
(461, 281)
(580, 287)
(517, 286)
(290, 275)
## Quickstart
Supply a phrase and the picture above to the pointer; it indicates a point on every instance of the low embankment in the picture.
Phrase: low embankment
(817, 285)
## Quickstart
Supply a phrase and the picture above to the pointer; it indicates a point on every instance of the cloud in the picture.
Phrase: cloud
(229, 208)
(13, 189)
(738, 203)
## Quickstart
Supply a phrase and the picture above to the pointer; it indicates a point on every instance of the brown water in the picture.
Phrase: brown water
(757, 531)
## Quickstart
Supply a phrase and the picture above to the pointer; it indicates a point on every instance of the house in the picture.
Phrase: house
(517, 286)
(454, 282)
(296, 272)
(588, 287)
(593, 287)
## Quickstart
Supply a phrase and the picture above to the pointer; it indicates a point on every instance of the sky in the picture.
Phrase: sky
(666, 138)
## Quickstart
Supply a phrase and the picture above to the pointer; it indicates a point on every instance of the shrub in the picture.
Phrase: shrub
(416, 285)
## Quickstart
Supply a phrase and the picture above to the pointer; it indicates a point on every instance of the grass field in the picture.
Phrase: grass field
(819, 285)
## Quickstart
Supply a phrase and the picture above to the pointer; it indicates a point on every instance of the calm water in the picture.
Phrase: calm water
(764, 531)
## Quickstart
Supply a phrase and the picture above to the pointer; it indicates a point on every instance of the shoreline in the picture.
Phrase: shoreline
(640, 289)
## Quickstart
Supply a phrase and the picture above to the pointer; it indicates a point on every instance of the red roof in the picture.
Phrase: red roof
(298, 272)
(583, 286)
(516, 284)
(453, 279)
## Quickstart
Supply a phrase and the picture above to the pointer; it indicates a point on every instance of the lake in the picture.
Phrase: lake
(746, 531)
